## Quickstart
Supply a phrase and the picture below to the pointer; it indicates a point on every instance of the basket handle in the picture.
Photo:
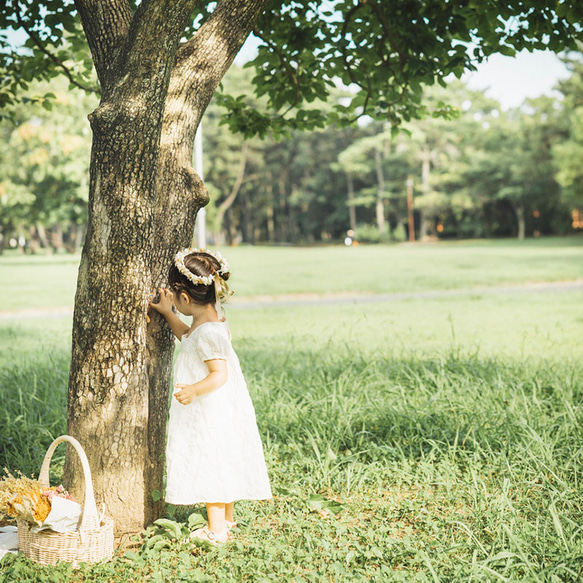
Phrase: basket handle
(90, 520)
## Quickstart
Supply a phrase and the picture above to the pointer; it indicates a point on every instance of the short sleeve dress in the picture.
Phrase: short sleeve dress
(214, 451)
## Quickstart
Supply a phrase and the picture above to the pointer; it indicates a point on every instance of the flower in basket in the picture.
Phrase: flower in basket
(58, 491)
(30, 505)
(21, 496)
(45, 508)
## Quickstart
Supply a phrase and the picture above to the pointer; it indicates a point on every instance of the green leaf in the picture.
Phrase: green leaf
(319, 503)
(196, 520)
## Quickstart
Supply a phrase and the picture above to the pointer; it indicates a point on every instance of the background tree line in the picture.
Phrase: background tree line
(477, 172)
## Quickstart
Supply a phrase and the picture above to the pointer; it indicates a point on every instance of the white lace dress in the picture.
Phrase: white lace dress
(214, 452)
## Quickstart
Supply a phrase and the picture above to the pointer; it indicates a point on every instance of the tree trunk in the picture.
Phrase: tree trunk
(43, 238)
(143, 200)
(282, 223)
(229, 235)
(270, 210)
(76, 238)
(426, 220)
(351, 207)
(410, 212)
(519, 211)
(245, 226)
(34, 243)
(292, 227)
(380, 204)
(423, 225)
(56, 238)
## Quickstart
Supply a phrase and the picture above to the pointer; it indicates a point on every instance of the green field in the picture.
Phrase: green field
(32, 282)
(434, 439)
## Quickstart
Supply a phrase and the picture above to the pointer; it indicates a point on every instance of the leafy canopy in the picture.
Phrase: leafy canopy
(383, 51)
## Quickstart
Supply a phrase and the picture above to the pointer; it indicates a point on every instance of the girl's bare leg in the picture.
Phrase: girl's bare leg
(229, 512)
(216, 515)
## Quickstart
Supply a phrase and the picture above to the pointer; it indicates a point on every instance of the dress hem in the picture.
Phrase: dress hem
(215, 501)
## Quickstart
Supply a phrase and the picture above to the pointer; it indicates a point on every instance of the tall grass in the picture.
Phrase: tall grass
(451, 468)
(33, 411)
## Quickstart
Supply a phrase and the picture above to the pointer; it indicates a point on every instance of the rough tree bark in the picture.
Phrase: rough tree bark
(143, 199)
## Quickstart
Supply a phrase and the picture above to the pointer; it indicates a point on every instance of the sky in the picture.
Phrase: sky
(511, 80)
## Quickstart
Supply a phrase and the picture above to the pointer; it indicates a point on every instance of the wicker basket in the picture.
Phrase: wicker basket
(91, 543)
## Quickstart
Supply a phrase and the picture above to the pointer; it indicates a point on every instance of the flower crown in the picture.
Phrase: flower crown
(200, 279)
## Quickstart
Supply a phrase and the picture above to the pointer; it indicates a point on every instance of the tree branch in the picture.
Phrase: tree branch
(289, 69)
(226, 204)
(345, 24)
(216, 43)
(376, 9)
(388, 32)
(37, 41)
(106, 24)
(154, 24)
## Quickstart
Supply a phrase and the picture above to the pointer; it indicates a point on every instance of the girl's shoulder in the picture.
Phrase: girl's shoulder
(208, 330)
(211, 340)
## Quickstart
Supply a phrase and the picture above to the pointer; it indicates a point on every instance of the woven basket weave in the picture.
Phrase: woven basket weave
(91, 543)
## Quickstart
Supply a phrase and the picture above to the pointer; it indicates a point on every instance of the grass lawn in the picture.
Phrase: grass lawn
(32, 282)
(416, 440)
(403, 268)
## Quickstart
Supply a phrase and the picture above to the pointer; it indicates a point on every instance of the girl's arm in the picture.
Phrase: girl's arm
(216, 378)
(164, 307)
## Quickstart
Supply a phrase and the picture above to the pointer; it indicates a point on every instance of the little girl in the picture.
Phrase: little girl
(214, 453)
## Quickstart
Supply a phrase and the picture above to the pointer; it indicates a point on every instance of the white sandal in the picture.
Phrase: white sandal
(206, 534)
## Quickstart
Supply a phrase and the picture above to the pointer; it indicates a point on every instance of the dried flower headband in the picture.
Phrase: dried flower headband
(200, 279)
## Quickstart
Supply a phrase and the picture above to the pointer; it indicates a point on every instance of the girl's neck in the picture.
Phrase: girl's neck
(202, 314)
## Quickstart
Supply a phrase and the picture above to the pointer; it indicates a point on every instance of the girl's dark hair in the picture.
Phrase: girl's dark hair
(200, 264)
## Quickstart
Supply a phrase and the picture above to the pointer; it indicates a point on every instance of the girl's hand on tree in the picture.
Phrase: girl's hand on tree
(164, 304)
(186, 394)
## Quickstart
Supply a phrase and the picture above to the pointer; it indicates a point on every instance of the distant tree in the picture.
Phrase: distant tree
(568, 153)
(440, 146)
(44, 167)
(514, 162)
(432, 151)
(381, 165)
(231, 161)
(434, 147)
